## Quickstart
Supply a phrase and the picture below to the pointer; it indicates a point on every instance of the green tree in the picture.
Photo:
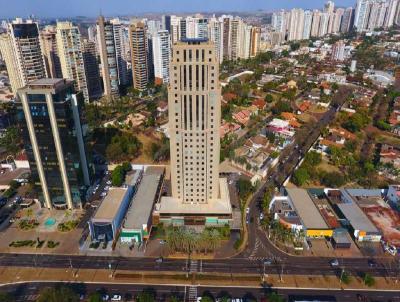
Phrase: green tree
(11, 140)
(95, 297)
(369, 280)
(313, 158)
(383, 125)
(145, 296)
(206, 298)
(274, 297)
(301, 176)
(269, 98)
(124, 145)
(244, 188)
(280, 107)
(118, 174)
(333, 179)
(58, 294)
(5, 297)
(345, 278)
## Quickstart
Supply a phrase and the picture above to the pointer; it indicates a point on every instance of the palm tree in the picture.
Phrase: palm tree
(215, 239)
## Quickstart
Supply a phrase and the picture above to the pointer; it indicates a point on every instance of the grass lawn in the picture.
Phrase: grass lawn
(147, 138)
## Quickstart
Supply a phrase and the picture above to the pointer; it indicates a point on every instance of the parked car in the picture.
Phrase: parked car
(261, 216)
(105, 297)
(247, 210)
(159, 260)
(116, 298)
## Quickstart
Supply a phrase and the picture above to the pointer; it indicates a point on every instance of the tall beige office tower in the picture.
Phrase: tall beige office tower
(140, 55)
(22, 52)
(69, 47)
(199, 196)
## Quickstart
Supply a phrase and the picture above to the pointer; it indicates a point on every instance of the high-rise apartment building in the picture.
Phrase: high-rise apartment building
(323, 24)
(393, 6)
(296, 24)
(194, 98)
(255, 41)
(236, 38)
(315, 23)
(140, 55)
(121, 43)
(91, 69)
(175, 31)
(54, 139)
(108, 57)
(347, 20)
(50, 52)
(226, 36)
(215, 34)
(166, 23)
(23, 53)
(361, 16)
(9, 57)
(308, 15)
(161, 45)
(71, 56)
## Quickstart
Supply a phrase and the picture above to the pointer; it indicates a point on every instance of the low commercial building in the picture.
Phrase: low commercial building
(106, 222)
(297, 211)
(138, 221)
(362, 229)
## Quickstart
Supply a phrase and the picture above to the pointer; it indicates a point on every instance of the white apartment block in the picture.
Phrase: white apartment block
(161, 54)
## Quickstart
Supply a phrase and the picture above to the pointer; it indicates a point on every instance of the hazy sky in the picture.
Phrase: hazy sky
(67, 8)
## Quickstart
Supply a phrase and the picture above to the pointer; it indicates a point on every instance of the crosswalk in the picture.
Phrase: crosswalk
(192, 294)
(27, 298)
(193, 266)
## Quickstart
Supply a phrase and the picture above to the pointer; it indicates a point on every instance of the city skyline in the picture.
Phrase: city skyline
(56, 9)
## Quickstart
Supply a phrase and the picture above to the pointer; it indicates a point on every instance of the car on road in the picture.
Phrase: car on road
(267, 261)
(247, 210)
(162, 242)
(17, 200)
(372, 263)
(334, 262)
(116, 298)
(261, 216)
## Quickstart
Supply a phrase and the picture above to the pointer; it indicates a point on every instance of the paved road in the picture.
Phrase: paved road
(29, 292)
(284, 265)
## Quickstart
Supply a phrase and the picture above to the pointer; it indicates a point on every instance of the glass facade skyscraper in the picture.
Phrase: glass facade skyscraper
(49, 113)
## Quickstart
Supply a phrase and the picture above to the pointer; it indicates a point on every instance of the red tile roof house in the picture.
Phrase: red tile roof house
(259, 103)
(242, 117)
(258, 142)
(228, 128)
(228, 97)
(390, 154)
